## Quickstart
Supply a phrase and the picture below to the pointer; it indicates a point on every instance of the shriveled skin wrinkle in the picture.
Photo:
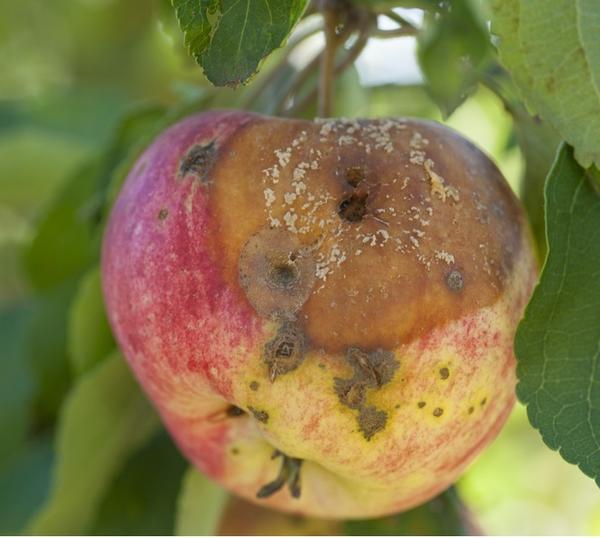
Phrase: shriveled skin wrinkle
(353, 286)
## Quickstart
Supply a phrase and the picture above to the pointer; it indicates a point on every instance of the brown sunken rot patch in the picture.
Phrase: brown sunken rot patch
(276, 273)
(351, 392)
(198, 161)
(259, 414)
(371, 420)
(285, 352)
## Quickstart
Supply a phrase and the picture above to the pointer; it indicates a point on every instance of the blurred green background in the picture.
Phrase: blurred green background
(83, 84)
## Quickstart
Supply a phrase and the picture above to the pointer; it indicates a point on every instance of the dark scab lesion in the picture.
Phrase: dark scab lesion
(444, 373)
(254, 385)
(421, 404)
(371, 420)
(371, 371)
(455, 281)
(375, 368)
(163, 213)
(198, 161)
(234, 411)
(285, 352)
(259, 414)
(438, 412)
(283, 273)
(354, 175)
(351, 392)
(353, 207)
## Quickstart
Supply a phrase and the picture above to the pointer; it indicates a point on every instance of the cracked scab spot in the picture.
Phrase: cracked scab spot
(351, 392)
(371, 420)
(438, 412)
(259, 414)
(375, 368)
(285, 352)
(198, 161)
(276, 273)
(455, 281)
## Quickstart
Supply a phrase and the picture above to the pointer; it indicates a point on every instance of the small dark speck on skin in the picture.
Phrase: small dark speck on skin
(322, 366)
(235, 451)
(471, 409)
(163, 214)
(455, 281)
(261, 416)
(438, 412)
(483, 402)
(235, 411)
(254, 385)
(444, 373)
(420, 405)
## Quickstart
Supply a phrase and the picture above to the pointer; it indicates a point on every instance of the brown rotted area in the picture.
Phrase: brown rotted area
(365, 235)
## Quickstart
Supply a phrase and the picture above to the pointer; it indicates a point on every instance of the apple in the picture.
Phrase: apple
(322, 312)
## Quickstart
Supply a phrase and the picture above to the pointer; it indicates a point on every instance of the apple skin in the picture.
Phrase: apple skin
(407, 263)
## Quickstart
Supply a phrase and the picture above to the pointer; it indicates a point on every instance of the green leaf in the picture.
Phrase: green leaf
(229, 38)
(62, 245)
(538, 143)
(33, 164)
(553, 52)
(23, 486)
(104, 420)
(200, 505)
(46, 348)
(141, 501)
(16, 383)
(445, 515)
(67, 240)
(558, 342)
(452, 48)
(90, 336)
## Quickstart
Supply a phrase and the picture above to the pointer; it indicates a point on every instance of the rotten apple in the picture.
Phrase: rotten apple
(322, 312)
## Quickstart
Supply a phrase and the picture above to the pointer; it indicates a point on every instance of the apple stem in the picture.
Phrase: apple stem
(327, 79)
